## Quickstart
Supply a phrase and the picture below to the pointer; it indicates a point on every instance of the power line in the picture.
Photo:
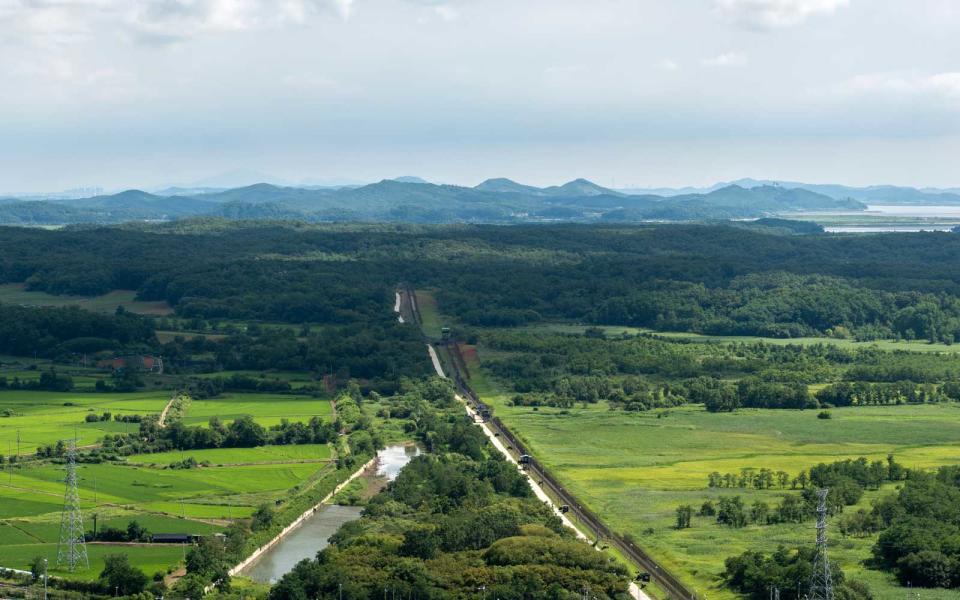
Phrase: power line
(821, 580)
(72, 548)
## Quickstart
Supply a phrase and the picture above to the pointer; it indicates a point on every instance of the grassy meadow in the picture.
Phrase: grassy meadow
(266, 409)
(240, 456)
(16, 293)
(634, 469)
(432, 320)
(43, 418)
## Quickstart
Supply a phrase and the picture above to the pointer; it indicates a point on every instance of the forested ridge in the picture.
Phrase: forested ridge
(711, 279)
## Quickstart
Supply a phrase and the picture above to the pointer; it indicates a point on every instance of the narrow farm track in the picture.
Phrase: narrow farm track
(162, 422)
(545, 486)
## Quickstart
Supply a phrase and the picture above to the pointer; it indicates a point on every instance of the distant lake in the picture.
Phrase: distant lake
(889, 229)
(893, 218)
(910, 210)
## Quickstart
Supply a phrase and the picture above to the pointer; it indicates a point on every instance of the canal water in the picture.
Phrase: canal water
(313, 535)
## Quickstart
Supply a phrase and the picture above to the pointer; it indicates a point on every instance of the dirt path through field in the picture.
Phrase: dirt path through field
(163, 416)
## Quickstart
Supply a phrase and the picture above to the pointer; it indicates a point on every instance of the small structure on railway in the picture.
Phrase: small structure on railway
(484, 411)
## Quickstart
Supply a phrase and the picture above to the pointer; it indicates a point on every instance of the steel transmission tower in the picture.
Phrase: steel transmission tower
(821, 581)
(72, 549)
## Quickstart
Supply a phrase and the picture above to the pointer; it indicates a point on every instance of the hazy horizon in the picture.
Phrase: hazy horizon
(626, 93)
(243, 178)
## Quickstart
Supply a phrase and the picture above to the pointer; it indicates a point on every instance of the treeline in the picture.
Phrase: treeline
(455, 520)
(49, 381)
(52, 332)
(380, 351)
(243, 432)
(711, 279)
(867, 474)
(642, 373)
(921, 524)
(754, 574)
(917, 526)
(861, 393)
(845, 480)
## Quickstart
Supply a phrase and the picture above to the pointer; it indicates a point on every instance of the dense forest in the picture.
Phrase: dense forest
(48, 331)
(712, 279)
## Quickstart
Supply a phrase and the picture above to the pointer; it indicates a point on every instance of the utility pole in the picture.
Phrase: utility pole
(44, 579)
(821, 580)
(72, 548)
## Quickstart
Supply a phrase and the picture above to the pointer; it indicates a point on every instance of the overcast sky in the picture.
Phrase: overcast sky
(141, 93)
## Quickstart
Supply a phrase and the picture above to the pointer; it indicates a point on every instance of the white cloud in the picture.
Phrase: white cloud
(942, 86)
(64, 22)
(772, 14)
(446, 12)
(668, 64)
(727, 59)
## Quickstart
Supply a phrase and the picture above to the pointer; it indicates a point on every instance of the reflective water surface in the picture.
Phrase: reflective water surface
(313, 535)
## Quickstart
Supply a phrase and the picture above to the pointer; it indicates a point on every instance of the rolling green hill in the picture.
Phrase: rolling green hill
(392, 200)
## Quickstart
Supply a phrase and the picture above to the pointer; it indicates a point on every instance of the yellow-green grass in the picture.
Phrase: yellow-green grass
(266, 409)
(615, 330)
(21, 539)
(432, 322)
(240, 456)
(43, 418)
(208, 492)
(47, 530)
(634, 469)
(148, 557)
(16, 293)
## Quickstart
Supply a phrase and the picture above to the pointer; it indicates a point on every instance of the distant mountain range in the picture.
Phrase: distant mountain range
(874, 194)
(411, 199)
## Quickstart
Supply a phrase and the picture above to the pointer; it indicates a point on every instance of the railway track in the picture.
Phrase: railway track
(589, 521)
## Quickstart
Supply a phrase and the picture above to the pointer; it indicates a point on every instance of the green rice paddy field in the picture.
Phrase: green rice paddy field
(634, 469)
(240, 456)
(267, 409)
(164, 500)
(42, 418)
